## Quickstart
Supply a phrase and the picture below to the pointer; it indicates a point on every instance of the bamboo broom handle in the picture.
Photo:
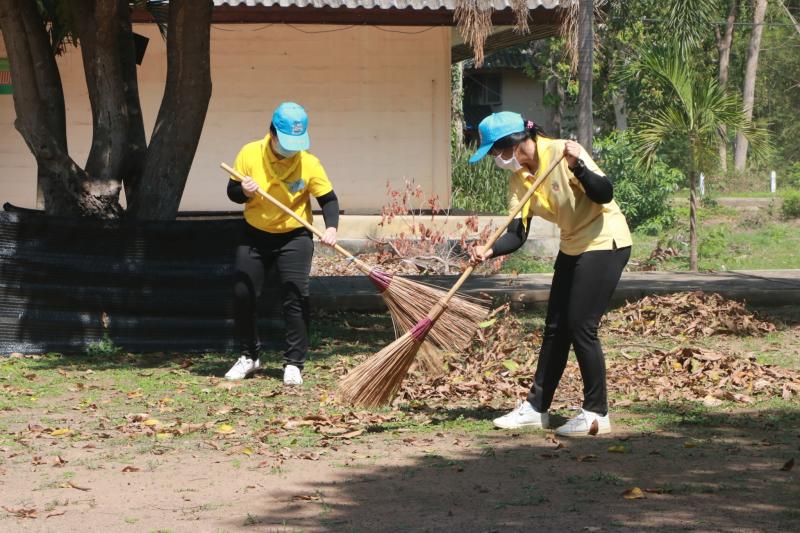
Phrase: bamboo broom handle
(439, 308)
(362, 266)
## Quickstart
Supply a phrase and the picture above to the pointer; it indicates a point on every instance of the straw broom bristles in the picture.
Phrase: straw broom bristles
(375, 382)
(409, 302)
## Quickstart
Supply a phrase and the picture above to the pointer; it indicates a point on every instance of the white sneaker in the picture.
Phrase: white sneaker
(243, 367)
(582, 425)
(291, 375)
(523, 416)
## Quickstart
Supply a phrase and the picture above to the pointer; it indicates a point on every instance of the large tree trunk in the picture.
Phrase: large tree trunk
(724, 42)
(749, 90)
(98, 28)
(39, 106)
(181, 116)
(585, 62)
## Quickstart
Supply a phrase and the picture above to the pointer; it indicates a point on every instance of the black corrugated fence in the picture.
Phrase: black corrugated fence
(164, 286)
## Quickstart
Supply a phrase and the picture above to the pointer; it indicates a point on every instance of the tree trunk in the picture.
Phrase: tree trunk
(724, 47)
(136, 140)
(749, 90)
(585, 62)
(98, 27)
(693, 221)
(457, 102)
(39, 105)
(620, 110)
(181, 115)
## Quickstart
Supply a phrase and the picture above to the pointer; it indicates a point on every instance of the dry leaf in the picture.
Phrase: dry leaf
(594, 428)
(56, 513)
(305, 497)
(21, 512)
(634, 493)
(619, 448)
(74, 486)
(352, 434)
(788, 465)
(225, 429)
(130, 469)
(61, 432)
(590, 458)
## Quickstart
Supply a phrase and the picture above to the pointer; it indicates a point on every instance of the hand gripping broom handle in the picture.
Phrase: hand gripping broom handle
(361, 265)
(439, 308)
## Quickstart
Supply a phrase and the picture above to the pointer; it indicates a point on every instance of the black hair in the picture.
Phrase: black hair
(272, 130)
(532, 131)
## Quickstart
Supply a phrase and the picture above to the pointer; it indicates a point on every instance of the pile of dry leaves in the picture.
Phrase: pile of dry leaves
(499, 367)
(689, 314)
(696, 374)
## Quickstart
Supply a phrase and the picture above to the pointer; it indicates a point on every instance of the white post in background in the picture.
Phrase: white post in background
(702, 184)
(772, 184)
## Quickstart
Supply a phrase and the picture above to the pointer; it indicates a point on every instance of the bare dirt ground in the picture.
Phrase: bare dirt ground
(716, 473)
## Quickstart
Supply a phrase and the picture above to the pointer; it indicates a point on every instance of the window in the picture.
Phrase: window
(483, 89)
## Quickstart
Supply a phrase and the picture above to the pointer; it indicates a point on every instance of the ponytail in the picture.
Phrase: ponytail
(532, 131)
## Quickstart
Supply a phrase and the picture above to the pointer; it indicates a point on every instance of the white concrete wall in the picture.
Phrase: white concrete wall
(378, 103)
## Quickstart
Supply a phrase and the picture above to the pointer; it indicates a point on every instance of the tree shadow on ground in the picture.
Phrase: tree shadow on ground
(332, 335)
(712, 472)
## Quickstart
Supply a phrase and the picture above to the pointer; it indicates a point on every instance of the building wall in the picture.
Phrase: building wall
(523, 95)
(378, 103)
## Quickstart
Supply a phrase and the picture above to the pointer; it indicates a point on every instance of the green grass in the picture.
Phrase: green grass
(92, 395)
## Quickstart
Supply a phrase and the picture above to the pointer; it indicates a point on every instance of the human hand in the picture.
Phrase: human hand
(249, 186)
(478, 256)
(572, 152)
(329, 237)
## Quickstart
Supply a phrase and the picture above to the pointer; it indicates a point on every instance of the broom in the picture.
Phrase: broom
(375, 381)
(408, 301)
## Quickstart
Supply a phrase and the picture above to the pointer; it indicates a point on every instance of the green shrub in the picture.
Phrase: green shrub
(478, 188)
(104, 347)
(713, 243)
(792, 180)
(791, 204)
(644, 197)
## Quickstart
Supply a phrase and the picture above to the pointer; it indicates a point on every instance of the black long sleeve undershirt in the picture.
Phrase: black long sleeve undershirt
(236, 193)
(329, 203)
(513, 239)
(598, 187)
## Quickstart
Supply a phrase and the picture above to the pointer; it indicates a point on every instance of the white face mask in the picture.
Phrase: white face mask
(508, 164)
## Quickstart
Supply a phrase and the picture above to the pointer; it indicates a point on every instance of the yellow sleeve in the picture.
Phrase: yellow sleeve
(241, 163)
(318, 182)
(516, 190)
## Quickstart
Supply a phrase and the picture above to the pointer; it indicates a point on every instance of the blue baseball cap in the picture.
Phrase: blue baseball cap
(291, 124)
(495, 127)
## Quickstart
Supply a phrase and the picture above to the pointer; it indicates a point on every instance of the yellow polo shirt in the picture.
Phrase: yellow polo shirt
(291, 180)
(584, 224)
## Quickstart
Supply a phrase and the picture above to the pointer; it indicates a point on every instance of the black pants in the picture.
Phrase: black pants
(582, 287)
(291, 253)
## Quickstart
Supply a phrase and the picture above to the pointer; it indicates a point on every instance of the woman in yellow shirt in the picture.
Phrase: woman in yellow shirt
(595, 247)
(281, 165)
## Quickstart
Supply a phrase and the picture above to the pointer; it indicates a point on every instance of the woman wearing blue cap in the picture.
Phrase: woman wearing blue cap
(594, 249)
(281, 165)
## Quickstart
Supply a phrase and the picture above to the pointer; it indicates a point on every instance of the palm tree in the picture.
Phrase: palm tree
(694, 109)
